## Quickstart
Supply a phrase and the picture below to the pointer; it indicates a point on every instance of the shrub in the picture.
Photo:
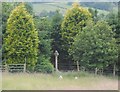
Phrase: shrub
(44, 67)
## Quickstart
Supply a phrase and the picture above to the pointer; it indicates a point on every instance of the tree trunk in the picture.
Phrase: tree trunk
(114, 69)
(96, 71)
(102, 71)
(25, 64)
(78, 66)
(24, 68)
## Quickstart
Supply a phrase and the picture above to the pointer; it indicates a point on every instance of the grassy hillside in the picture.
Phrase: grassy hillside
(39, 7)
(62, 6)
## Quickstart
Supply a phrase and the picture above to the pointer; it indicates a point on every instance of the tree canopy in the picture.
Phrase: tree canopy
(95, 46)
(74, 21)
(21, 40)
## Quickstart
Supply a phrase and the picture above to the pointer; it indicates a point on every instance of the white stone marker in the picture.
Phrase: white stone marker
(56, 60)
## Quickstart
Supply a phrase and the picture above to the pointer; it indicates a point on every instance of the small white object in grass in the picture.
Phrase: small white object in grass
(76, 78)
(60, 77)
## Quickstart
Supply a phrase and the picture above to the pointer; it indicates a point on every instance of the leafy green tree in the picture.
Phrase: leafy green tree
(43, 26)
(113, 20)
(95, 46)
(74, 21)
(21, 40)
(5, 13)
(6, 10)
(45, 66)
(56, 36)
(44, 31)
(55, 31)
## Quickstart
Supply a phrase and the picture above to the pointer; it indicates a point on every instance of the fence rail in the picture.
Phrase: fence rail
(3, 68)
(13, 68)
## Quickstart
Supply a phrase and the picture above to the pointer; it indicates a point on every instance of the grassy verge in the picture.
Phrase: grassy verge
(38, 81)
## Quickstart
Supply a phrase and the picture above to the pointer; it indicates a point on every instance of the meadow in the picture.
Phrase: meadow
(37, 81)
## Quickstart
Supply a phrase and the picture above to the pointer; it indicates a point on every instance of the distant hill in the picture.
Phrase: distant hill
(101, 5)
(63, 6)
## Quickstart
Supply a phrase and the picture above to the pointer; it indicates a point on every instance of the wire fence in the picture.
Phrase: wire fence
(12, 68)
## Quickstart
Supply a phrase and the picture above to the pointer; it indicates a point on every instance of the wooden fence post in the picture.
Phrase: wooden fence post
(114, 69)
(24, 68)
(102, 71)
(6, 68)
(78, 69)
(96, 71)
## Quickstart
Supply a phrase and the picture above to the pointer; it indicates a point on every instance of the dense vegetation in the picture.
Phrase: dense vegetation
(74, 21)
(21, 38)
(82, 35)
(95, 46)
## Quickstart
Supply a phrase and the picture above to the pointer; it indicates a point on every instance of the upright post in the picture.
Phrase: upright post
(25, 65)
(114, 69)
(56, 60)
(96, 71)
(6, 68)
(78, 66)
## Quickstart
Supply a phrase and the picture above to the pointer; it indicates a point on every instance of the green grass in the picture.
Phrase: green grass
(38, 81)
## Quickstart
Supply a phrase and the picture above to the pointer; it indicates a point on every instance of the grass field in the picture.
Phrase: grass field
(36, 81)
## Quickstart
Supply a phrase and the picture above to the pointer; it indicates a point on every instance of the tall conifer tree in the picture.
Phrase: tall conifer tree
(21, 40)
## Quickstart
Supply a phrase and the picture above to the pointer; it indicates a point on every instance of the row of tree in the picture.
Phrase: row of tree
(80, 36)
(88, 40)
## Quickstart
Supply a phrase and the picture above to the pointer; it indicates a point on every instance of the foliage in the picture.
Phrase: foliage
(112, 19)
(55, 31)
(74, 21)
(44, 67)
(95, 46)
(76, 37)
(44, 32)
(21, 40)
(6, 10)
(43, 26)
